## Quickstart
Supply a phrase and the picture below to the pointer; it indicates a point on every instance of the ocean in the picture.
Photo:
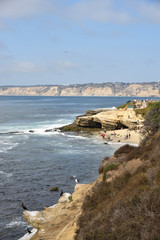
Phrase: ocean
(31, 162)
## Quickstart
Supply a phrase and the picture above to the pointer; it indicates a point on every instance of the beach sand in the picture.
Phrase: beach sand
(120, 136)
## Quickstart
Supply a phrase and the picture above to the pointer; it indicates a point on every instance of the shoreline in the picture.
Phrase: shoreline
(119, 136)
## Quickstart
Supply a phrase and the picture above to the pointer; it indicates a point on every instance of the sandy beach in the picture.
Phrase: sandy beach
(123, 136)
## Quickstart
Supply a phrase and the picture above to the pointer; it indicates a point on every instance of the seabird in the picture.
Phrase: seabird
(61, 193)
(76, 180)
(23, 206)
(29, 231)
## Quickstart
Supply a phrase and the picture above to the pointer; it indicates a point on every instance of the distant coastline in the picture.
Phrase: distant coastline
(119, 89)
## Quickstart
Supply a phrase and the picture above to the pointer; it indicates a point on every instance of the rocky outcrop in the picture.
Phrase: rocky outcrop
(104, 89)
(110, 119)
(59, 221)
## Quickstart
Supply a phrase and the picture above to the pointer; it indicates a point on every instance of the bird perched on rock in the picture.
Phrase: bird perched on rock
(29, 231)
(76, 180)
(23, 206)
(61, 193)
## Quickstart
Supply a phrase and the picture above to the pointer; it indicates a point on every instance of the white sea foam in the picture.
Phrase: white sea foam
(44, 129)
(73, 136)
(5, 148)
(120, 143)
(6, 174)
(115, 143)
(17, 222)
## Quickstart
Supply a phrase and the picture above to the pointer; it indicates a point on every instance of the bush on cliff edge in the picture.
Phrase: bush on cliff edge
(152, 119)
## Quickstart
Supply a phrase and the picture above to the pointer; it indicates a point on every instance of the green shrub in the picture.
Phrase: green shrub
(124, 149)
(108, 168)
(152, 119)
(122, 106)
(70, 198)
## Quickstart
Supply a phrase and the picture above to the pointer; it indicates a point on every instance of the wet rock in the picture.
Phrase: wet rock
(53, 189)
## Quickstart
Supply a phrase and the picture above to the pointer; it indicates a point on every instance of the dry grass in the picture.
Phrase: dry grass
(128, 208)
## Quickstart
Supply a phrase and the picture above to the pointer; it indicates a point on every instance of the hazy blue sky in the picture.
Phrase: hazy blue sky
(79, 41)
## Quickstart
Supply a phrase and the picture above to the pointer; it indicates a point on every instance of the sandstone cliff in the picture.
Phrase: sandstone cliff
(104, 89)
(59, 221)
(110, 119)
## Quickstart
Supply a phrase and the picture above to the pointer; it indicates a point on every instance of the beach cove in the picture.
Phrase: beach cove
(68, 210)
(33, 159)
(124, 191)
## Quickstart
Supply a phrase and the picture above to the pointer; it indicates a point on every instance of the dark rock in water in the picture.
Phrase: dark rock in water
(105, 142)
(52, 130)
(49, 130)
(53, 189)
(118, 141)
(31, 131)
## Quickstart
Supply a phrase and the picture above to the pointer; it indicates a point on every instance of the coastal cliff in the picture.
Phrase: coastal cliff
(123, 203)
(103, 89)
(112, 119)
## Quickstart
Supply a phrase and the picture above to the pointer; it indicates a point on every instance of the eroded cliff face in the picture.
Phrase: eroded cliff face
(112, 119)
(105, 89)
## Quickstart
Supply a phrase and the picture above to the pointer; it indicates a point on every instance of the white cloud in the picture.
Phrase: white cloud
(149, 11)
(26, 67)
(23, 8)
(31, 67)
(96, 10)
(124, 11)
(145, 11)
(105, 11)
(64, 65)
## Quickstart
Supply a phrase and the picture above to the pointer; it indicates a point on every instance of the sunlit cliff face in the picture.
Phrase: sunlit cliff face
(119, 89)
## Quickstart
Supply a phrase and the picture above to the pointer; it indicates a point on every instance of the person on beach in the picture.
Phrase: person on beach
(103, 135)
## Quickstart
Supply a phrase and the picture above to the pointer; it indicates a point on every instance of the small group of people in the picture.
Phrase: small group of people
(127, 136)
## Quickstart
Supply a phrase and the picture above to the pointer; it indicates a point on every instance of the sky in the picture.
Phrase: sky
(47, 42)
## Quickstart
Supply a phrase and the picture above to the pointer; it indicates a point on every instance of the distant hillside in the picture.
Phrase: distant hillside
(91, 89)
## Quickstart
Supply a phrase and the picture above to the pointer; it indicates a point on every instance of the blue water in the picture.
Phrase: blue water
(32, 163)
